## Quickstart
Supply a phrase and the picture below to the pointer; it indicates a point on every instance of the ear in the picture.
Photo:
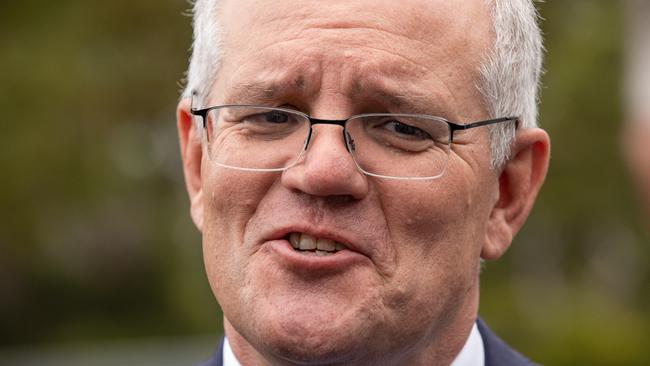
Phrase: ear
(519, 182)
(191, 155)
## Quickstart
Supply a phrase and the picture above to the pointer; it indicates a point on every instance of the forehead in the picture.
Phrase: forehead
(376, 44)
(425, 20)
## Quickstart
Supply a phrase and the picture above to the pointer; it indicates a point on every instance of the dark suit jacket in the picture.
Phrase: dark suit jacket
(497, 353)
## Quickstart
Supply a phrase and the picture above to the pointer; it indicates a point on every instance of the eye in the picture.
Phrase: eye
(267, 117)
(405, 131)
(257, 119)
(276, 117)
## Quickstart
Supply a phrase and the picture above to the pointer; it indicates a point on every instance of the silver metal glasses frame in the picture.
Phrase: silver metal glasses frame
(349, 143)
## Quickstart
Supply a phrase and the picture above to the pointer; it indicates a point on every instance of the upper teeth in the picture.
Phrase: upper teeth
(308, 242)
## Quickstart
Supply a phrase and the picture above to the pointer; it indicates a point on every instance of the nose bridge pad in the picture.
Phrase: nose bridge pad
(349, 142)
(347, 139)
(308, 139)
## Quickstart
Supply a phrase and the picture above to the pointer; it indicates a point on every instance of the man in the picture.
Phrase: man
(636, 136)
(344, 218)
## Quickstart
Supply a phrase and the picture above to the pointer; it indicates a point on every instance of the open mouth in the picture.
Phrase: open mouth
(309, 245)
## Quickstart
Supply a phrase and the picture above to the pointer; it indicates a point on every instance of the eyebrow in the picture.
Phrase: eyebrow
(264, 92)
(252, 93)
(405, 99)
(419, 104)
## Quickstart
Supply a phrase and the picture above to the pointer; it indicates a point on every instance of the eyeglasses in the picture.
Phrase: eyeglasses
(383, 145)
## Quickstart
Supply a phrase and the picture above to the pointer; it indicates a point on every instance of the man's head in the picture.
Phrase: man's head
(404, 286)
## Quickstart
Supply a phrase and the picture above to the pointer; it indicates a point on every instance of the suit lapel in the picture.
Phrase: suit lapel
(217, 357)
(497, 353)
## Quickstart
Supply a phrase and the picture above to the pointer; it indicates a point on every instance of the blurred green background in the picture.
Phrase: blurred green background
(98, 256)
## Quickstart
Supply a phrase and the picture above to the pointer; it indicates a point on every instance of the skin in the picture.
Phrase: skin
(408, 293)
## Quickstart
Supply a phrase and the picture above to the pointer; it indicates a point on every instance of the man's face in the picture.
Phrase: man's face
(410, 265)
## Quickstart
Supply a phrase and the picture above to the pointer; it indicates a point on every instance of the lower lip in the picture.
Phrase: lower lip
(293, 259)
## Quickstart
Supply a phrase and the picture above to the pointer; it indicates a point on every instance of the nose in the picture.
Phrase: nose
(326, 168)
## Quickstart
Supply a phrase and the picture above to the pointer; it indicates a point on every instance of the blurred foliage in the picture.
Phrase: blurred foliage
(95, 236)
(96, 240)
(573, 289)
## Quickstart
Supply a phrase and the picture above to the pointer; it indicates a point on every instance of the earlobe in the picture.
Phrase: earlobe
(196, 210)
(519, 182)
(191, 155)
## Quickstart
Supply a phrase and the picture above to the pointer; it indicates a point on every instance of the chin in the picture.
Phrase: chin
(321, 335)
(314, 346)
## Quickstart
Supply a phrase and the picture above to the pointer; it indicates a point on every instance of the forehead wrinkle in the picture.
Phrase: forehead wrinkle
(403, 96)
(405, 71)
(411, 67)
(266, 89)
(249, 93)
(440, 39)
(271, 75)
(396, 83)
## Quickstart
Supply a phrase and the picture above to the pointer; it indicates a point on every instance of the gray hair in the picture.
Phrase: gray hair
(510, 76)
(206, 49)
(508, 81)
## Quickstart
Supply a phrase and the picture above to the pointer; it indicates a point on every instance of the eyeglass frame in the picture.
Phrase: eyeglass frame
(453, 127)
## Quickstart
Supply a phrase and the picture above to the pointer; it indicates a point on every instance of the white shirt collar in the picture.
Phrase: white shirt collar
(472, 354)
(229, 358)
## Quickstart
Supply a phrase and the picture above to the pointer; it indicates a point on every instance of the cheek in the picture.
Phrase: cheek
(435, 230)
(231, 199)
(421, 215)
(439, 223)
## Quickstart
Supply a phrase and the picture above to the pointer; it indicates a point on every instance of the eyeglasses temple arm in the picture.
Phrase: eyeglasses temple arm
(456, 127)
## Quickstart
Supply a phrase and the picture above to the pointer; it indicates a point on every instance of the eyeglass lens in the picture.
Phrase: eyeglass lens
(386, 145)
